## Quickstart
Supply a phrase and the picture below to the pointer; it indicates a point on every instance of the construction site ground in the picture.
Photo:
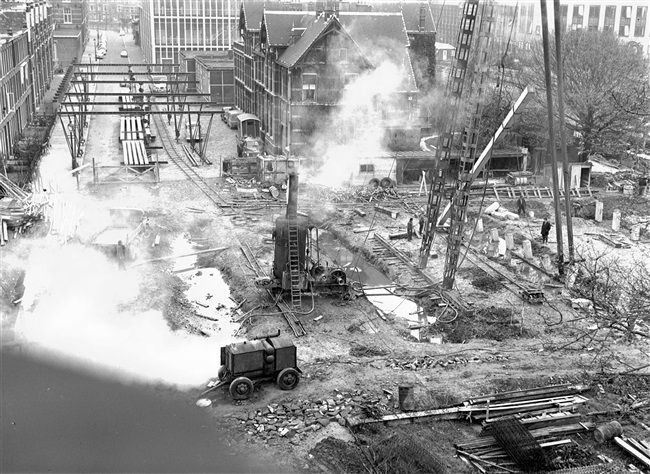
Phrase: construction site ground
(354, 359)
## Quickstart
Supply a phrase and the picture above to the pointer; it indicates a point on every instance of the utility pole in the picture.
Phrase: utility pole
(551, 141)
(560, 109)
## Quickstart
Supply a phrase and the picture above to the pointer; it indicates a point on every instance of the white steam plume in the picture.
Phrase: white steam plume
(73, 309)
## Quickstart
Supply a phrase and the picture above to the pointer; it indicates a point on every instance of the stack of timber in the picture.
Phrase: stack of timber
(134, 152)
(535, 401)
(639, 449)
(18, 208)
(487, 450)
(131, 128)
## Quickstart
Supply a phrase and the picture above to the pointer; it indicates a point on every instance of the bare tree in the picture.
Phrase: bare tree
(605, 84)
(619, 294)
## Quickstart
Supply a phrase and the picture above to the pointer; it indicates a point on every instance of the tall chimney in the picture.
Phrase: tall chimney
(292, 197)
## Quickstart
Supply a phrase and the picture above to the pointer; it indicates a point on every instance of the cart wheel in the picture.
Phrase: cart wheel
(288, 379)
(386, 183)
(241, 388)
(221, 374)
(373, 183)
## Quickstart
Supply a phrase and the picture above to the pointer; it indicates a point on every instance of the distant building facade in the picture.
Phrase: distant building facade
(112, 14)
(518, 24)
(294, 63)
(26, 67)
(70, 31)
(170, 26)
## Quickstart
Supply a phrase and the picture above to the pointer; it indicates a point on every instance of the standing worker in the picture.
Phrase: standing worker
(521, 205)
(421, 225)
(643, 185)
(178, 134)
(409, 229)
(546, 228)
(169, 119)
(121, 255)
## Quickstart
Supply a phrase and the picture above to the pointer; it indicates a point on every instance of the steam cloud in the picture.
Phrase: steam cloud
(73, 308)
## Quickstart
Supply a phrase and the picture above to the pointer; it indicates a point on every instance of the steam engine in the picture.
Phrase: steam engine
(300, 255)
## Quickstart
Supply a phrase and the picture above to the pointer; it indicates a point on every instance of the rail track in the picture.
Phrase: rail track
(294, 323)
(395, 257)
(175, 156)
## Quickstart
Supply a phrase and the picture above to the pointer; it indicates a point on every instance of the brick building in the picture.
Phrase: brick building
(70, 31)
(112, 14)
(294, 66)
(26, 67)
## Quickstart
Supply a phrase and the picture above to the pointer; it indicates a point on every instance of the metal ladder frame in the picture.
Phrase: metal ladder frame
(294, 263)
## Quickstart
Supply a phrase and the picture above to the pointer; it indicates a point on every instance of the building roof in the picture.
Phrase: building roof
(411, 12)
(296, 51)
(251, 15)
(211, 61)
(444, 46)
(279, 25)
(379, 35)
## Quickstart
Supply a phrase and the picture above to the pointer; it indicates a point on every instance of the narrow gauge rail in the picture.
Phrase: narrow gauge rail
(175, 156)
(294, 323)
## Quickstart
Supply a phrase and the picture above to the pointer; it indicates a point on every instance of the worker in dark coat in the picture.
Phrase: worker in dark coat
(521, 205)
(421, 225)
(546, 228)
(643, 185)
(409, 229)
(121, 255)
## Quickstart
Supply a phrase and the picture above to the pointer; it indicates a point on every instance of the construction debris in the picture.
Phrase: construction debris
(639, 449)
(20, 208)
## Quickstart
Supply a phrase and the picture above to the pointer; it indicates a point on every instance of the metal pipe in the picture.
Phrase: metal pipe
(551, 141)
(292, 197)
(560, 109)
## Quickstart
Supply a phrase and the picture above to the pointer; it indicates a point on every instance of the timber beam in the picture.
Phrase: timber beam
(115, 94)
(146, 81)
(135, 112)
(132, 103)
(124, 64)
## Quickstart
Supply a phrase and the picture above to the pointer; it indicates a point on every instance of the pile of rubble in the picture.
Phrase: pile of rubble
(18, 208)
(294, 420)
(362, 194)
(429, 362)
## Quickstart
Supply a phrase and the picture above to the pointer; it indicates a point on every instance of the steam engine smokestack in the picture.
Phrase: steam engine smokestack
(292, 198)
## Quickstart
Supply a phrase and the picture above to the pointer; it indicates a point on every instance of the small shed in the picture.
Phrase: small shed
(215, 74)
(444, 52)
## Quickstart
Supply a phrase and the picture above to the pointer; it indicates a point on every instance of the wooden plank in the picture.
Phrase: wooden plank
(389, 212)
(121, 136)
(125, 144)
(631, 450)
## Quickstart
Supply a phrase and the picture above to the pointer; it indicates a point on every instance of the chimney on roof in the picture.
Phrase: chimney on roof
(423, 17)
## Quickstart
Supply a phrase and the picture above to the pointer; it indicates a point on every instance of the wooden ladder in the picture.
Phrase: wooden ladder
(294, 264)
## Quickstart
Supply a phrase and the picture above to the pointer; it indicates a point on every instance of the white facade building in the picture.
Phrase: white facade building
(170, 26)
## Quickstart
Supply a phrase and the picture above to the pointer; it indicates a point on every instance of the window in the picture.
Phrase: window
(366, 168)
(641, 19)
(610, 18)
(343, 55)
(594, 17)
(349, 78)
(626, 21)
(578, 17)
(309, 87)
(67, 15)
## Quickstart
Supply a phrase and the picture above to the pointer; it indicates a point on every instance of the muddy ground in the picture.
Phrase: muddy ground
(352, 359)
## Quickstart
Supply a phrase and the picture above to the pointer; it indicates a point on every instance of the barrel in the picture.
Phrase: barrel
(608, 431)
(406, 399)
(635, 233)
